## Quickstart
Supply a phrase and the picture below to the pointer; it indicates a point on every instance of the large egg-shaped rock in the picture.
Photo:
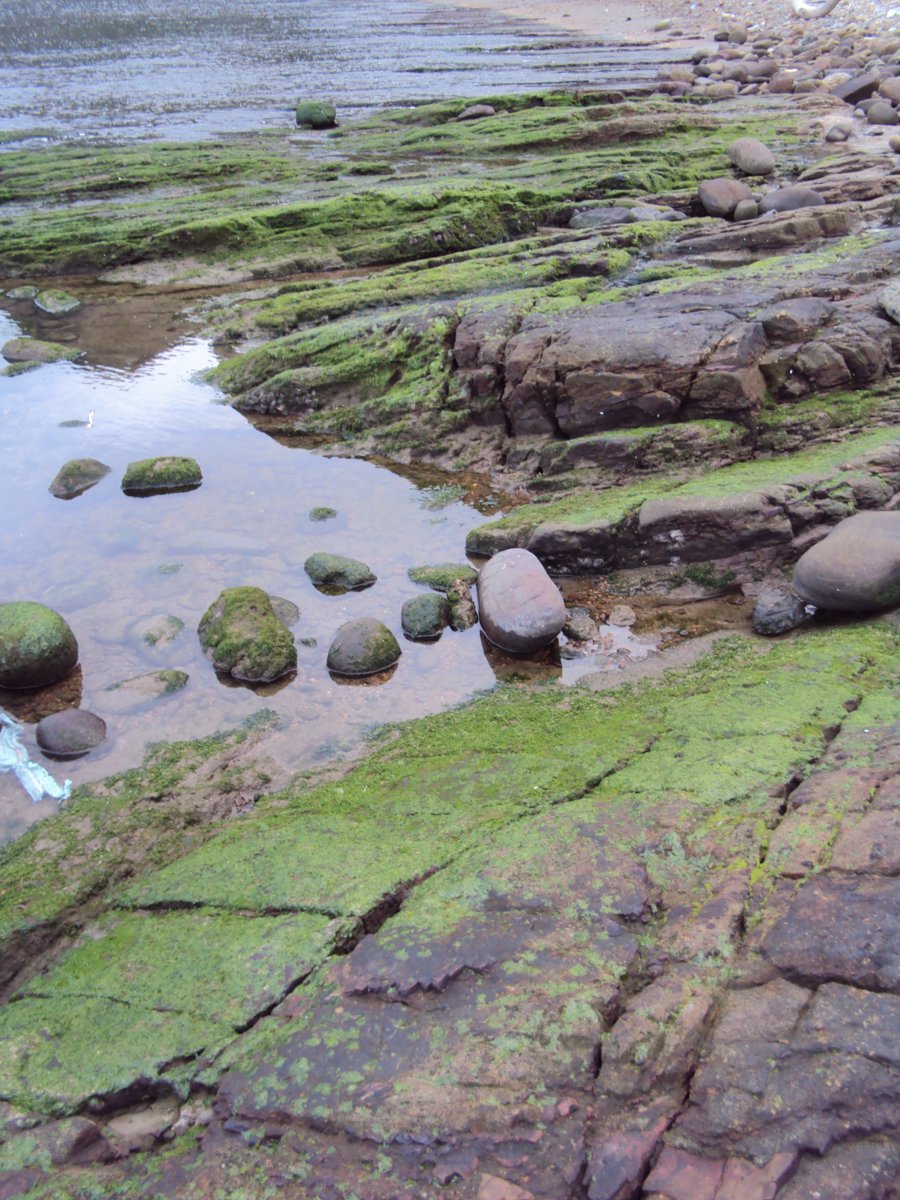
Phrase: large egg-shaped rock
(520, 606)
(856, 568)
(37, 647)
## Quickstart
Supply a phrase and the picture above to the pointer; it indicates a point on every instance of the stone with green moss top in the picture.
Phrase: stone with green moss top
(26, 292)
(334, 573)
(77, 476)
(425, 616)
(316, 114)
(37, 647)
(363, 646)
(131, 695)
(169, 473)
(21, 368)
(56, 302)
(243, 637)
(322, 513)
(33, 350)
(440, 577)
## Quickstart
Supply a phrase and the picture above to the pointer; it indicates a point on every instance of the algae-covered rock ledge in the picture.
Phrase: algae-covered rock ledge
(559, 943)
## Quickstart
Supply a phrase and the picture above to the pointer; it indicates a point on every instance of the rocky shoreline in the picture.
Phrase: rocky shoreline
(558, 944)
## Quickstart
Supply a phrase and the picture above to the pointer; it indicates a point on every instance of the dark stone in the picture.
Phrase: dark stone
(70, 733)
(334, 573)
(76, 476)
(860, 87)
(600, 218)
(463, 614)
(796, 320)
(521, 608)
(856, 568)
(698, 528)
(778, 611)
(618, 1165)
(362, 646)
(37, 647)
(425, 616)
(882, 113)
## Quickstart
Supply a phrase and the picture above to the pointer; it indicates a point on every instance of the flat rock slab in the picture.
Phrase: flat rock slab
(856, 568)
(32, 350)
(696, 528)
(521, 608)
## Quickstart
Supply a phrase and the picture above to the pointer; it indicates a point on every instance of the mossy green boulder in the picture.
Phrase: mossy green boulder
(37, 646)
(244, 638)
(169, 473)
(363, 646)
(335, 573)
(33, 350)
(425, 616)
(76, 476)
(316, 114)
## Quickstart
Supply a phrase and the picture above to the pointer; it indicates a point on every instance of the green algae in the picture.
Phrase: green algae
(170, 473)
(442, 576)
(242, 635)
(611, 507)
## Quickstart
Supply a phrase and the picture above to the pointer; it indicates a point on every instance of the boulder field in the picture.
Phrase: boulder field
(583, 943)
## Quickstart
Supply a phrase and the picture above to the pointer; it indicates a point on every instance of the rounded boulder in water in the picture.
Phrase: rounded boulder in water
(520, 606)
(363, 646)
(37, 646)
(70, 733)
(856, 568)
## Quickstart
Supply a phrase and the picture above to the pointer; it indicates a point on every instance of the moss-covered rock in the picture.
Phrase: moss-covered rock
(131, 695)
(425, 616)
(56, 302)
(243, 637)
(37, 646)
(322, 513)
(33, 350)
(362, 646)
(316, 114)
(442, 576)
(147, 476)
(334, 573)
(77, 476)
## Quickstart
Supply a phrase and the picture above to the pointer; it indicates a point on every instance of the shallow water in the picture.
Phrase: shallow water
(110, 562)
(187, 69)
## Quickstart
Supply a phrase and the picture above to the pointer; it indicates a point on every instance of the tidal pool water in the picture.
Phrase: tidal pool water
(111, 563)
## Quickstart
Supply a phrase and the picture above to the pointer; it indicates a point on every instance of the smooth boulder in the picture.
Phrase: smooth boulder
(70, 733)
(244, 638)
(33, 350)
(520, 606)
(335, 573)
(720, 197)
(856, 568)
(751, 156)
(789, 199)
(37, 646)
(363, 646)
(77, 476)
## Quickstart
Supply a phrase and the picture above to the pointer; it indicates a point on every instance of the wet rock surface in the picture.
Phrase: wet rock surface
(243, 637)
(70, 733)
(76, 476)
(149, 476)
(520, 607)
(335, 572)
(362, 646)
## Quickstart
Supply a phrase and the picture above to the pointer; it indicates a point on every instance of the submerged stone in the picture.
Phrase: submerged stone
(169, 473)
(334, 572)
(425, 616)
(286, 611)
(70, 733)
(316, 114)
(37, 646)
(160, 630)
(322, 513)
(244, 638)
(521, 607)
(26, 292)
(56, 302)
(363, 646)
(33, 350)
(77, 476)
(856, 568)
(129, 695)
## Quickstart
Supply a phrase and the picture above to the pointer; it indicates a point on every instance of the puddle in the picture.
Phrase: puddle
(113, 564)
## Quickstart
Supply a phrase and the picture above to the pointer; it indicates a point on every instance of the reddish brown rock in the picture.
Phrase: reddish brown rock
(520, 607)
